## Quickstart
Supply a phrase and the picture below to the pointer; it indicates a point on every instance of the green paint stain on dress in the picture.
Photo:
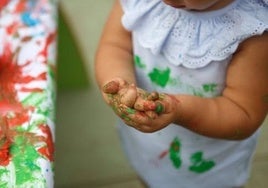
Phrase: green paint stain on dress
(174, 153)
(138, 62)
(200, 165)
(160, 77)
(210, 87)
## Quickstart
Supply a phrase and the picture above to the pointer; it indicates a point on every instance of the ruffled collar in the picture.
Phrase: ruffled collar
(190, 38)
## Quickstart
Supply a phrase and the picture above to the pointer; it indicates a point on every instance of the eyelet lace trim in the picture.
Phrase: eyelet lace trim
(194, 39)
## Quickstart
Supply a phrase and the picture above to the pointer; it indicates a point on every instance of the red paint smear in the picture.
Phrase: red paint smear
(163, 154)
(48, 150)
(6, 107)
(4, 154)
(11, 74)
(21, 6)
(31, 89)
(19, 119)
(49, 40)
(3, 3)
(27, 79)
(12, 28)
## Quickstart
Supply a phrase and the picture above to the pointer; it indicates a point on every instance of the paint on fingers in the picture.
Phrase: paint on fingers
(128, 98)
(151, 114)
(153, 96)
(144, 105)
(111, 87)
(159, 108)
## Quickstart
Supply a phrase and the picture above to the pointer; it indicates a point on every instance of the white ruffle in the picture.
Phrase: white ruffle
(194, 39)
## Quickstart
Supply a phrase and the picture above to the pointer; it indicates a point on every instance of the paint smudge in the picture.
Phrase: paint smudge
(138, 62)
(174, 153)
(200, 165)
(160, 77)
(48, 149)
(210, 87)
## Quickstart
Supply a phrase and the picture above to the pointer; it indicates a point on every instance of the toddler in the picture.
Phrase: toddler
(189, 80)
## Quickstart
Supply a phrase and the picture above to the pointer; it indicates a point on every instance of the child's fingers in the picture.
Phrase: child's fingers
(153, 96)
(151, 114)
(166, 104)
(128, 95)
(133, 115)
(160, 107)
(111, 87)
(144, 105)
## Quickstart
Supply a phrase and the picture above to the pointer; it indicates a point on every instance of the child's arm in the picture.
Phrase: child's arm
(243, 106)
(234, 115)
(114, 63)
(114, 55)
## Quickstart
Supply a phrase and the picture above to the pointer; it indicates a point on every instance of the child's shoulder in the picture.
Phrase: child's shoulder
(256, 45)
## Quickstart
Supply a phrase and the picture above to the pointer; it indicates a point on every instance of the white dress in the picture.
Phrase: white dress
(186, 52)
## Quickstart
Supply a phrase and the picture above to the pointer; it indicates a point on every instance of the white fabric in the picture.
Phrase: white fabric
(188, 53)
(182, 35)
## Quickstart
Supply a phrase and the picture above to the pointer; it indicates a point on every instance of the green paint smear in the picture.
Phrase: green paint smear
(3, 172)
(197, 93)
(200, 165)
(24, 157)
(37, 99)
(138, 62)
(159, 108)
(34, 99)
(160, 77)
(130, 111)
(3, 185)
(210, 87)
(174, 153)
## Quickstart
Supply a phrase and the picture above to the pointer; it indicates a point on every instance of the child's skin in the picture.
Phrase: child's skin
(129, 101)
(241, 108)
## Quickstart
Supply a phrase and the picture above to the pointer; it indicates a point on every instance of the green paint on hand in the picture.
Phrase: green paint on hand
(200, 165)
(159, 108)
(130, 111)
(138, 62)
(174, 153)
(160, 77)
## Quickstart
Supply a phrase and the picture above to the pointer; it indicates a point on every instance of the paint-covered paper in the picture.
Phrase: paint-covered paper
(28, 31)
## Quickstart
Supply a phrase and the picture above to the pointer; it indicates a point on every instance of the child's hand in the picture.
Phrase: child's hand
(129, 95)
(119, 91)
(120, 95)
(166, 110)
